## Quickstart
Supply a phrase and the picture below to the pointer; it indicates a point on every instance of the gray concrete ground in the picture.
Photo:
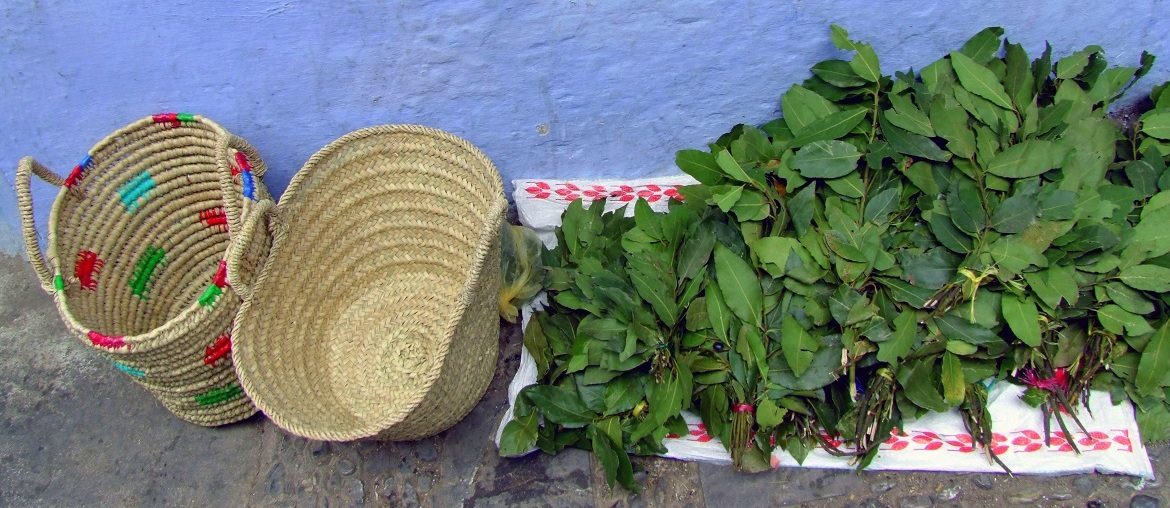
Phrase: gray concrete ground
(73, 431)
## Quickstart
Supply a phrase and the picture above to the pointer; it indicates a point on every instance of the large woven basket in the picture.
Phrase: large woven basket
(375, 315)
(137, 240)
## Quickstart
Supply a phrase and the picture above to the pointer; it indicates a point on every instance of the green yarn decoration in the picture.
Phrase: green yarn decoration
(209, 295)
(59, 283)
(150, 260)
(185, 117)
(218, 395)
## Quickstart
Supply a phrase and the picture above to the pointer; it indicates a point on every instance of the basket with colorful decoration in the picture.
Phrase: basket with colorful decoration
(135, 256)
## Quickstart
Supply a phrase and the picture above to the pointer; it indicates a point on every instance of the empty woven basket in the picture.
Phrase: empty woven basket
(137, 238)
(375, 314)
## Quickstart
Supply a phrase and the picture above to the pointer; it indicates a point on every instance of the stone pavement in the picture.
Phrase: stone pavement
(73, 431)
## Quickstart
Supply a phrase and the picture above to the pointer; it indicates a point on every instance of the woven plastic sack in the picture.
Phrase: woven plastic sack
(375, 315)
(134, 260)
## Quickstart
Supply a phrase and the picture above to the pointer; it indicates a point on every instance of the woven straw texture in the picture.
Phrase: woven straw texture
(137, 239)
(375, 314)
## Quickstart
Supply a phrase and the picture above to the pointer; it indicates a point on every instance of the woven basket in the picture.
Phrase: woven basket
(137, 239)
(375, 315)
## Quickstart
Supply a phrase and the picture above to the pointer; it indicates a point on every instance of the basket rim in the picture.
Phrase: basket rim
(290, 198)
(145, 340)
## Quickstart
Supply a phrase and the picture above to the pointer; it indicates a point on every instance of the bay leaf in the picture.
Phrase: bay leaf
(802, 107)
(938, 76)
(519, 436)
(980, 81)
(1157, 124)
(881, 205)
(905, 292)
(1146, 278)
(559, 405)
(955, 327)
(768, 414)
(728, 164)
(865, 63)
(982, 46)
(919, 384)
(1056, 203)
(901, 341)
(1121, 322)
(947, 234)
(903, 141)
(773, 252)
(797, 345)
(921, 174)
(1014, 254)
(751, 337)
(622, 394)
(1028, 158)
(718, 313)
(1153, 370)
(1023, 318)
(849, 185)
(658, 292)
(1128, 299)
(932, 269)
(951, 375)
(647, 220)
(826, 159)
(907, 116)
(802, 208)
(950, 121)
(965, 204)
(961, 348)
(838, 73)
(752, 206)
(1019, 82)
(1072, 65)
(739, 285)
(700, 165)
(833, 126)
(1015, 213)
(695, 252)
(726, 196)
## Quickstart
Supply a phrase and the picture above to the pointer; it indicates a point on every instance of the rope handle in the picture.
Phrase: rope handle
(224, 148)
(243, 238)
(27, 167)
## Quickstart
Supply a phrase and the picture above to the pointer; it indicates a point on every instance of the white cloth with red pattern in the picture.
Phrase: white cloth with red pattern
(935, 442)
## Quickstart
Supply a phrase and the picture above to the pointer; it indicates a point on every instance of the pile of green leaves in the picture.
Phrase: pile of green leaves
(878, 252)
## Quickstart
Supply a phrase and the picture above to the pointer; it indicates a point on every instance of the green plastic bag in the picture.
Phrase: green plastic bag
(523, 274)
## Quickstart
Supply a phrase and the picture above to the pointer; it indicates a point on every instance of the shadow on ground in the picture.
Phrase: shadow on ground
(74, 431)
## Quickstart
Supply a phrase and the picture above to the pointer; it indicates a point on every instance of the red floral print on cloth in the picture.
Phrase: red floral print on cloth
(569, 191)
(697, 432)
(1020, 441)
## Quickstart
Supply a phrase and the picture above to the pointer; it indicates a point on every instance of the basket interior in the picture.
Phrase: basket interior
(142, 238)
(351, 322)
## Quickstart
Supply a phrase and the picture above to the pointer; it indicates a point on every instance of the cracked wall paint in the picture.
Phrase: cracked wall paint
(547, 89)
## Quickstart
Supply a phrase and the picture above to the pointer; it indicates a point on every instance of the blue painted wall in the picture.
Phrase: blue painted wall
(570, 88)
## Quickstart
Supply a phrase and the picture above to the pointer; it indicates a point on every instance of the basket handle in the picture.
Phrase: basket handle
(229, 142)
(264, 209)
(32, 246)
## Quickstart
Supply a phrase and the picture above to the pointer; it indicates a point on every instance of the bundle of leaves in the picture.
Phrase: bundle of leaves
(879, 252)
